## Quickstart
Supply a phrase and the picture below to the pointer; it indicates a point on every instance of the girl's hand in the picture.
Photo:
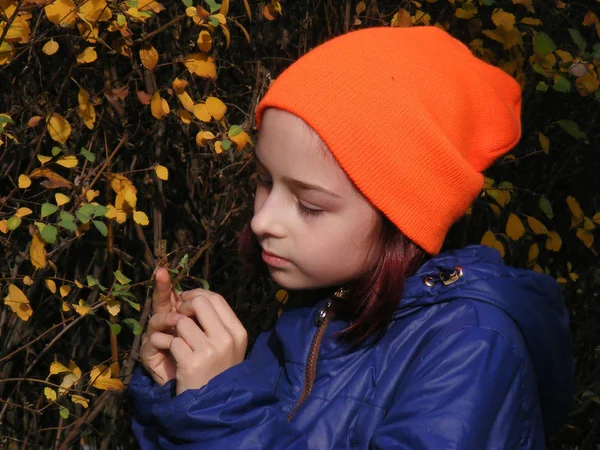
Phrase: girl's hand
(203, 351)
(154, 353)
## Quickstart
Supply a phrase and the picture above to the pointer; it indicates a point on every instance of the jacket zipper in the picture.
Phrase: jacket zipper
(321, 322)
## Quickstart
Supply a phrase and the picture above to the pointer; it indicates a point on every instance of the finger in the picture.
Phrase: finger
(161, 297)
(191, 333)
(156, 343)
(224, 311)
(202, 309)
(176, 300)
(162, 322)
(180, 350)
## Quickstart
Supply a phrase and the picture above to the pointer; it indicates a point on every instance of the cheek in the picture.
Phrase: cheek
(260, 196)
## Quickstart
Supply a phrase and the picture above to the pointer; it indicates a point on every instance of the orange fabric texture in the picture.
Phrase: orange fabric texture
(411, 116)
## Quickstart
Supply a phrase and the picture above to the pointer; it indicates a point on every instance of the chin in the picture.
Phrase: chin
(293, 282)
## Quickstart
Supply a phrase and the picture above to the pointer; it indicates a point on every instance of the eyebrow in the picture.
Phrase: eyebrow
(298, 183)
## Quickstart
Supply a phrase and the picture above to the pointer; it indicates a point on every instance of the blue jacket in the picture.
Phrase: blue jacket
(482, 361)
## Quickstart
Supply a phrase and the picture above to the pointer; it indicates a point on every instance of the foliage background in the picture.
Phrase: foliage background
(126, 131)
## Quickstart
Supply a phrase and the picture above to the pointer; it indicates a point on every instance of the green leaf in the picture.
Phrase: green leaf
(561, 84)
(234, 130)
(86, 153)
(188, 3)
(56, 151)
(121, 21)
(115, 328)
(146, 13)
(48, 209)
(542, 87)
(213, 21)
(40, 225)
(67, 217)
(101, 227)
(68, 225)
(572, 128)
(88, 209)
(133, 304)
(134, 325)
(132, 3)
(100, 211)
(4, 120)
(121, 278)
(13, 222)
(64, 412)
(49, 234)
(205, 284)
(578, 39)
(596, 51)
(546, 207)
(91, 281)
(183, 262)
(214, 7)
(488, 2)
(543, 44)
(83, 218)
(226, 144)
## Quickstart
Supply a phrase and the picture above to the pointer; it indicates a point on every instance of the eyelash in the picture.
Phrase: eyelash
(305, 211)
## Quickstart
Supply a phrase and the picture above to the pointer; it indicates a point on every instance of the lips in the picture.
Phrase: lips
(274, 260)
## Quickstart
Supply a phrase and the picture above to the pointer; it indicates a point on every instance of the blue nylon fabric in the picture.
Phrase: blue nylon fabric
(483, 363)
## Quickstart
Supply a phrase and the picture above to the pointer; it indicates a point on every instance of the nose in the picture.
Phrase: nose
(267, 219)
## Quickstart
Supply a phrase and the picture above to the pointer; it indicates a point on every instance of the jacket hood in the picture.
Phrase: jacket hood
(532, 300)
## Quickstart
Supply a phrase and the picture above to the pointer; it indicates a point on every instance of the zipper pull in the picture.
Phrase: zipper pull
(323, 314)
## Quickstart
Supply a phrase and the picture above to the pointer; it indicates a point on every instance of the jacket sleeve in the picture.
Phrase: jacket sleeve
(467, 391)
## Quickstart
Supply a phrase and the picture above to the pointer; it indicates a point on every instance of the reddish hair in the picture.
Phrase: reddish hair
(372, 298)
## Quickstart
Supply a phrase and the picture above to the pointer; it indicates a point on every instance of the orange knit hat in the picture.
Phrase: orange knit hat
(410, 115)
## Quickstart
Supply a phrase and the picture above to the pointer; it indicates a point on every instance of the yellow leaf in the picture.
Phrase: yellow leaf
(281, 296)
(59, 129)
(185, 116)
(537, 268)
(150, 5)
(141, 218)
(526, 3)
(112, 212)
(24, 181)
(218, 147)
(64, 290)
(159, 106)
(573, 276)
(7, 53)
(121, 216)
(561, 280)
(95, 11)
(468, 11)
(240, 140)
(61, 199)
(576, 211)
(86, 110)
(501, 196)
(27, 281)
(498, 246)
(73, 375)
(588, 224)
(37, 252)
(61, 12)
(82, 308)
(179, 85)
(554, 242)
(56, 368)
(503, 19)
(361, 7)
(537, 226)
(530, 21)
(18, 302)
(495, 209)
(201, 112)
(564, 56)
(186, 101)
(203, 137)
(22, 212)
(544, 142)
(586, 237)
(51, 285)
(113, 306)
(514, 227)
(65, 307)
(161, 172)
(589, 19)
(44, 159)
(50, 47)
(4, 226)
(227, 35)
(100, 377)
(488, 239)
(202, 65)
(78, 284)
(91, 194)
(50, 394)
(149, 56)
(215, 107)
(68, 161)
(534, 252)
(89, 55)
(596, 218)
(80, 400)
(204, 41)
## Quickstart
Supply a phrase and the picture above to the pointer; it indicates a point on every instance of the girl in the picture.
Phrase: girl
(370, 146)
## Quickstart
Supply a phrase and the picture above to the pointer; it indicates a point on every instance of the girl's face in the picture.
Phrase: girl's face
(314, 226)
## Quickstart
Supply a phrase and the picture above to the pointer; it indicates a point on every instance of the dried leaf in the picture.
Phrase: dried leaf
(54, 180)
(33, 122)
(149, 56)
(144, 97)
(59, 128)
(18, 302)
(37, 252)
(50, 47)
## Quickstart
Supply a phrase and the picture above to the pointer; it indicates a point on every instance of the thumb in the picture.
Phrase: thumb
(161, 297)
